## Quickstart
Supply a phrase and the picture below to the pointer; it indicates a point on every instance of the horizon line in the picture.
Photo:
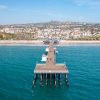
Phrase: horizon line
(40, 22)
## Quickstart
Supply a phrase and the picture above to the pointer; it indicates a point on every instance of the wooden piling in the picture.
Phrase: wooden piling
(50, 79)
(41, 79)
(55, 80)
(34, 79)
(66, 79)
(46, 79)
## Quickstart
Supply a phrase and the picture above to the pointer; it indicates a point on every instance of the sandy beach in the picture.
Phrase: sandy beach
(64, 42)
(21, 42)
(39, 42)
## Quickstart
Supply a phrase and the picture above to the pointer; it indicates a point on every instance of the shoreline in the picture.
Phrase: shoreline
(40, 43)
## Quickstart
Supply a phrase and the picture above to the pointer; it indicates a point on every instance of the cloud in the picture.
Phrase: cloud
(3, 7)
(88, 3)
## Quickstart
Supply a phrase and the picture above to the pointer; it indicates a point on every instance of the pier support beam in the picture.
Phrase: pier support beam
(41, 79)
(66, 78)
(50, 78)
(46, 80)
(55, 80)
(35, 77)
(59, 78)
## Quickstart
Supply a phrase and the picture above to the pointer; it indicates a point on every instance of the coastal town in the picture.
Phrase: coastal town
(54, 29)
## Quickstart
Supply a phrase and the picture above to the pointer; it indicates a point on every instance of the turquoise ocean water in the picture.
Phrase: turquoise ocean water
(16, 73)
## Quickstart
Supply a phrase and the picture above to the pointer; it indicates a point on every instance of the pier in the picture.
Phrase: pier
(50, 69)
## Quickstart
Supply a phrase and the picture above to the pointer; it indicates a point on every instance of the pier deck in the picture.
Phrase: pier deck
(58, 69)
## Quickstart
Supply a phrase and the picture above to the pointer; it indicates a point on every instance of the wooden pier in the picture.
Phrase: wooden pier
(50, 68)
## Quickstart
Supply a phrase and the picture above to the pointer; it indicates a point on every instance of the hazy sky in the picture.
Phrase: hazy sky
(31, 11)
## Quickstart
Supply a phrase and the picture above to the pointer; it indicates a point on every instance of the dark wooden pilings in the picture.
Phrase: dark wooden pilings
(35, 77)
(66, 77)
(59, 78)
(41, 79)
(46, 79)
(51, 77)
(55, 80)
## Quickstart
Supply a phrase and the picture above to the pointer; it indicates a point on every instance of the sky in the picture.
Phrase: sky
(34, 11)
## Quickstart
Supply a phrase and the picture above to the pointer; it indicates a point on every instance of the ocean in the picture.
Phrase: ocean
(18, 62)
